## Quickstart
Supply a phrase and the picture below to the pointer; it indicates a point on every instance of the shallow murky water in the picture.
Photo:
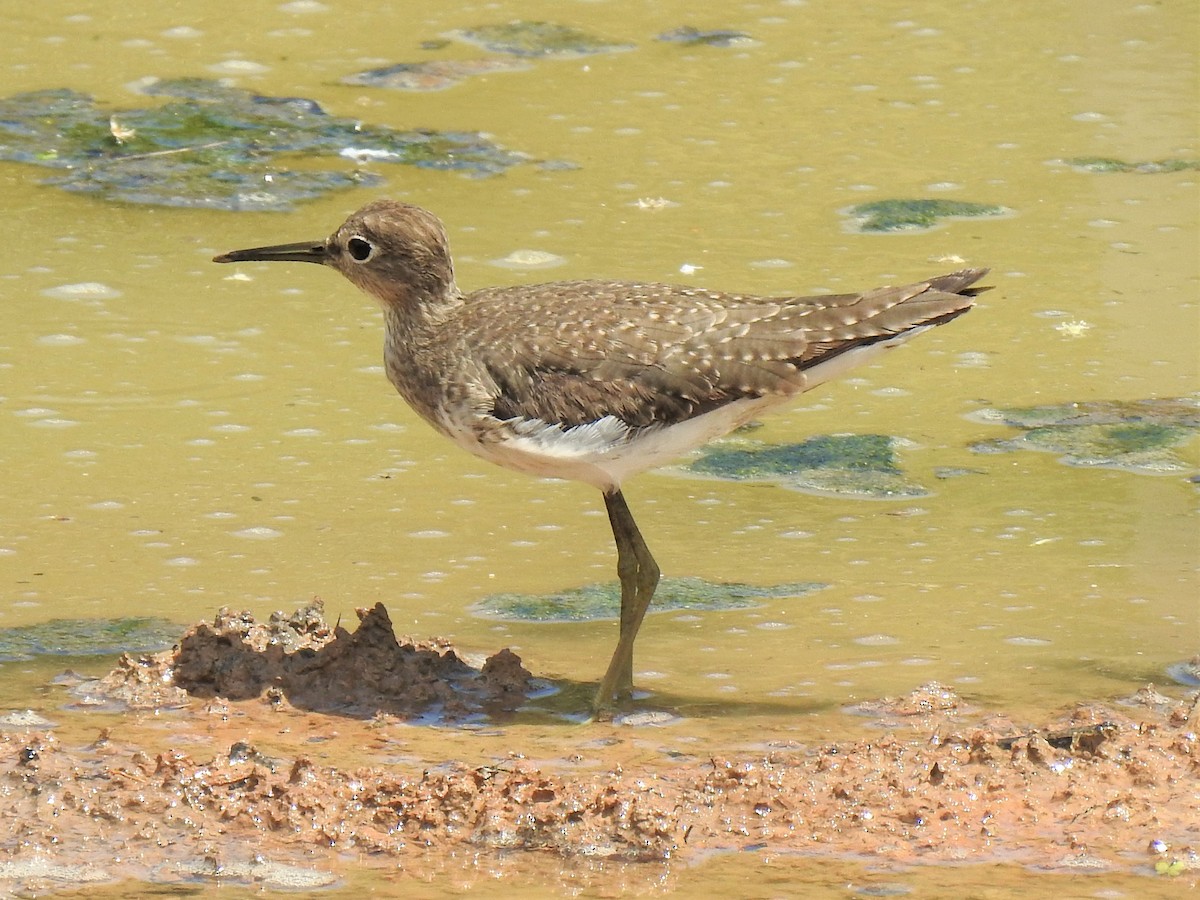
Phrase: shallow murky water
(179, 437)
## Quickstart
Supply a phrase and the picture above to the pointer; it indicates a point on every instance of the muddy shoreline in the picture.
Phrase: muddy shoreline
(1102, 788)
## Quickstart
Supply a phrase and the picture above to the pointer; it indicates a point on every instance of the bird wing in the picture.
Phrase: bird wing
(572, 353)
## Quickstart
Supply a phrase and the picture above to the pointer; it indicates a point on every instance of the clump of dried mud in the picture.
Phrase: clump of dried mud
(302, 660)
(1105, 788)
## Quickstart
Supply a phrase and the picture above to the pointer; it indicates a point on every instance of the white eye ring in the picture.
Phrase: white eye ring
(360, 249)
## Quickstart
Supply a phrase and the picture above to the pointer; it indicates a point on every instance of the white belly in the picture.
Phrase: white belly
(604, 453)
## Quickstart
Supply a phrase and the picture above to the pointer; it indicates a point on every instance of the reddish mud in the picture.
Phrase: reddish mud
(1106, 788)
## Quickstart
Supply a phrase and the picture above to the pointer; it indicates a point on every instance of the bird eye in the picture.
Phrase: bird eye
(360, 248)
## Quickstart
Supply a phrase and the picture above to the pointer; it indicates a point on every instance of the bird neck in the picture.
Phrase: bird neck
(417, 336)
(411, 319)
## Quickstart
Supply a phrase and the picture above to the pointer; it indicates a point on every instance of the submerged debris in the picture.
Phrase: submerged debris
(862, 465)
(1186, 671)
(1134, 435)
(40, 871)
(883, 216)
(217, 147)
(257, 872)
(928, 701)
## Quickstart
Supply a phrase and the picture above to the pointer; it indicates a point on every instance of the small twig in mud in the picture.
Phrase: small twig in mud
(1089, 736)
(208, 146)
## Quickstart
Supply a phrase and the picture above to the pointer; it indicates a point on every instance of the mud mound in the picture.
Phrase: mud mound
(302, 660)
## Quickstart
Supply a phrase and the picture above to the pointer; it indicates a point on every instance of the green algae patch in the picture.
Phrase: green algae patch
(1107, 165)
(603, 601)
(690, 36)
(1134, 435)
(434, 75)
(861, 465)
(884, 216)
(87, 637)
(538, 39)
(218, 147)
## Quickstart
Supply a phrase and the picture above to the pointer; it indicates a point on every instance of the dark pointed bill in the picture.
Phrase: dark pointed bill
(302, 251)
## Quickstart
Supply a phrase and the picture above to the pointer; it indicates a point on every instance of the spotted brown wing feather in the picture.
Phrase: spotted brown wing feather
(652, 354)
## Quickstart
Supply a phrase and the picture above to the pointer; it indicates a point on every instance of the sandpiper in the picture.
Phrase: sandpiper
(598, 380)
